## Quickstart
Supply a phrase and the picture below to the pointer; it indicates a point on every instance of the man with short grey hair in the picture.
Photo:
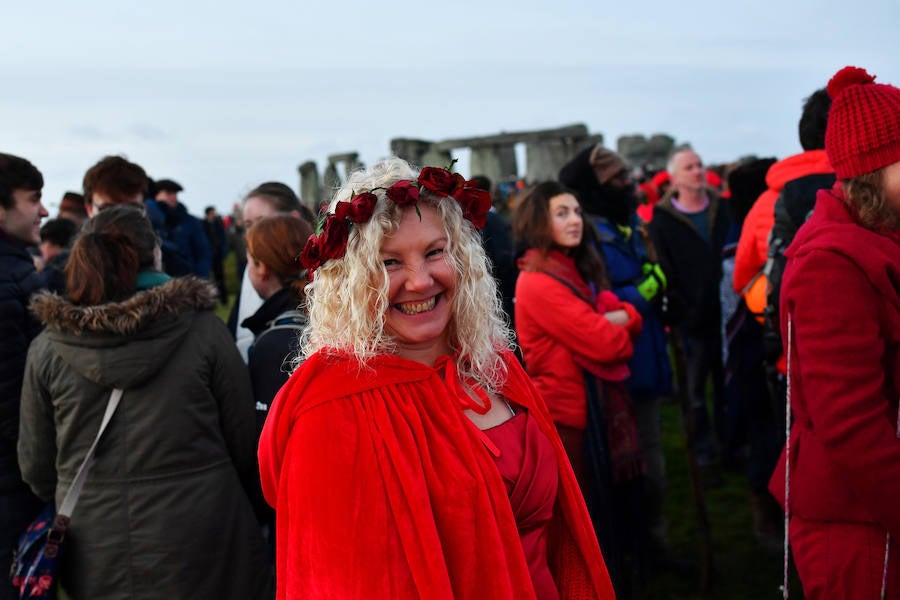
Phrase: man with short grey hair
(689, 227)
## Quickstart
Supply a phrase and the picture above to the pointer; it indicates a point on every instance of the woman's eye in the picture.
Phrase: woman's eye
(391, 262)
(435, 252)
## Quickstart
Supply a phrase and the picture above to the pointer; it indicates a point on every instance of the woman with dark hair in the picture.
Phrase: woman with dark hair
(839, 476)
(576, 338)
(165, 511)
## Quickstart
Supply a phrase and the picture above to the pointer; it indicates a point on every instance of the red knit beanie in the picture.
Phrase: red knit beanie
(863, 132)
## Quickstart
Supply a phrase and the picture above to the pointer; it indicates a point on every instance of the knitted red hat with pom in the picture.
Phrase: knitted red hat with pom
(863, 132)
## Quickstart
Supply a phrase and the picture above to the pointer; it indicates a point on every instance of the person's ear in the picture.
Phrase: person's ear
(265, 273)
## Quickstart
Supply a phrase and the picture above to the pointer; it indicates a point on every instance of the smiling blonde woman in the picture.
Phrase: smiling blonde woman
(409, 456)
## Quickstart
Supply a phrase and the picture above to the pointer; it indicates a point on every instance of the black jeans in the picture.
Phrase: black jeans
(703, 360)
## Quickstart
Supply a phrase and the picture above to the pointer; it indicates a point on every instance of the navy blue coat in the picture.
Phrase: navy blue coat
(651, 373)
(18, 281)
(185, 233)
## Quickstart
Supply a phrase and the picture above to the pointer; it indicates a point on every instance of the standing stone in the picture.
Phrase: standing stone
(331, 180)
(310, 187)
(495, 161)
(411, 150)
(544, 157)
(633, 148)
(659, 148)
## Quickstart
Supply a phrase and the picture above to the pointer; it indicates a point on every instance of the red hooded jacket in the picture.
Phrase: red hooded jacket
(753, 245)
(383, 488)
(841, 293)
(560, 334)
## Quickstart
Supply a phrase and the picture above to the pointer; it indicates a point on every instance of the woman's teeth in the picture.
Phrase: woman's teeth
(414, 308)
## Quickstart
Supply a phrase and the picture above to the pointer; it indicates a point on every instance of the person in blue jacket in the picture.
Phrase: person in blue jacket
(179, 227)
(609, 198)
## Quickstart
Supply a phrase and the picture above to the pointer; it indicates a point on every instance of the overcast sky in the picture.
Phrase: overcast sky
(222, 96)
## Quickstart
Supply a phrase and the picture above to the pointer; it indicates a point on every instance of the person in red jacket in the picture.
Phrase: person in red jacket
(576, 339)
(409, 456)
(839, 476)
(753, 245)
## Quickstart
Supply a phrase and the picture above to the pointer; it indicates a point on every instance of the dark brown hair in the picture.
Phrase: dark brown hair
(531, 229)
(115, 177)
(16, 173)
(108, 254)
(276, 242)
(864, 195)
(59, 231)
(280, 196)
(814, 120)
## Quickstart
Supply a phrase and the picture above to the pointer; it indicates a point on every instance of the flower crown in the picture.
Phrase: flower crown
(334, 229)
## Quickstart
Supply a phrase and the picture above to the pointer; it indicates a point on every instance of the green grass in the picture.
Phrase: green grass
(232, 283)
(741, 568)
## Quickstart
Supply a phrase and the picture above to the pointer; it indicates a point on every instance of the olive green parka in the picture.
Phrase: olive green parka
(165, 510)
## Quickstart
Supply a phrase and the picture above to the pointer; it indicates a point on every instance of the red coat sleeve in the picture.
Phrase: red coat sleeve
(839, 354)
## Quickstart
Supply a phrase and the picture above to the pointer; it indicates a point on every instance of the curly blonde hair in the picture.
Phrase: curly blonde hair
(348, 298)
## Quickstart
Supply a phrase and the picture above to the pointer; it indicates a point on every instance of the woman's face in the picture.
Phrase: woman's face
(891, 182)
(256, 208)
(421, 283)
(256, 276)
(566, 223)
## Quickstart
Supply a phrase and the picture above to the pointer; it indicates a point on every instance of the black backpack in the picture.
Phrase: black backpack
(792, 209)
(289, 319)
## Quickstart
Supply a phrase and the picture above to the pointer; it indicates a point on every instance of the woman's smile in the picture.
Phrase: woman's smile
(415, 308)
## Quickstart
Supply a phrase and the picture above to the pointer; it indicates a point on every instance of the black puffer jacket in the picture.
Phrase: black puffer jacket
(165, 511)
(270, 356)
(18, 281)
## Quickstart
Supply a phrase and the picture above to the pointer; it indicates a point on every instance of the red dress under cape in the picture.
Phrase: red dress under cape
(383, 488)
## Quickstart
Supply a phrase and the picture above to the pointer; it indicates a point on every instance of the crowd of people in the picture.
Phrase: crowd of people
(417, 395)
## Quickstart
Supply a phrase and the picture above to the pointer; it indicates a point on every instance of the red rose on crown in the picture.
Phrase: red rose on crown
(359, 209)
(475, 204)
(331, 243)
(311, 256)
(441, 181)
(403, 192)
(333, 240)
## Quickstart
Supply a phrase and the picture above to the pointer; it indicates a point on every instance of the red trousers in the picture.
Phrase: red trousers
(843, 560)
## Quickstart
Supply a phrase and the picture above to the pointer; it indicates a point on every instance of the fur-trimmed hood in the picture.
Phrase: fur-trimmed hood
(130, 315)
(122, 344)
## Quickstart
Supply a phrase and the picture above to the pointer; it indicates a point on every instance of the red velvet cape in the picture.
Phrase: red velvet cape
(383, 489)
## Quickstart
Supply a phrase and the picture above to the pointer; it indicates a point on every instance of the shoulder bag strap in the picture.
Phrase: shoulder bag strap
(570, 286)
(71, 498)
